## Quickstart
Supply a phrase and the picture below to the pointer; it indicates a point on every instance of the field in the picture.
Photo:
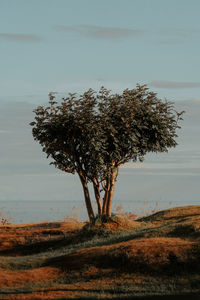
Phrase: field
(155, 255)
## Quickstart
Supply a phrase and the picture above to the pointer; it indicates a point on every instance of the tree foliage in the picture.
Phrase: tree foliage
(93, 134)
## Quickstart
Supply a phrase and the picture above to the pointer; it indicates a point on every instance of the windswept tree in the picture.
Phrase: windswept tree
(94, 134)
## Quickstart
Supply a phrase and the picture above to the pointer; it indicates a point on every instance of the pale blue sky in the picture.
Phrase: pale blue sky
(69, 45)
(72, 45)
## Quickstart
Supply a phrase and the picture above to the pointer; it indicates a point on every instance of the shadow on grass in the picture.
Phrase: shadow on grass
(113, 294)
(37, 247)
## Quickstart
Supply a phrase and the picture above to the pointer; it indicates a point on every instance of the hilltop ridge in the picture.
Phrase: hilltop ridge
(155, 255)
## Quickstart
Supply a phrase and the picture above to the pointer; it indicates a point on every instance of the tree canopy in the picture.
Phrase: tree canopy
(96, 132)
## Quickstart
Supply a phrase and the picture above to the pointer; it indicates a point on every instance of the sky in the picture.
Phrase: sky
(73, 45)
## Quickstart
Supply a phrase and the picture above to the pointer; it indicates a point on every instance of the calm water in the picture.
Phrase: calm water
(19, 212)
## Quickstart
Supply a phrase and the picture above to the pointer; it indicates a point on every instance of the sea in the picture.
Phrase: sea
(23, 212)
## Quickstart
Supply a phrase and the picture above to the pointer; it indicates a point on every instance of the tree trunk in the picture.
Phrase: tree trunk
(105, 198)
(111, 192)
(87, 196)
(96, 187)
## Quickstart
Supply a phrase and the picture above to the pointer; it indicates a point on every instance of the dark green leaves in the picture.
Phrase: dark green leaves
(96, 132)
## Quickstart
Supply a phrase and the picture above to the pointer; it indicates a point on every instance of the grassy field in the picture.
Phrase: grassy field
(154, 256)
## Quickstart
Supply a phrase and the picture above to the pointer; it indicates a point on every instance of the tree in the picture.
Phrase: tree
(94, 134)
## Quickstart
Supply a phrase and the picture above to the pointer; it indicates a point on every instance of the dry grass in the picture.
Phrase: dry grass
(159, 254)
(13, 279)
(14, 237)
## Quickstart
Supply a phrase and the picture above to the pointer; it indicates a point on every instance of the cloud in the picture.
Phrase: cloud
(21, 38)
(172, 174)
(133, 166)
(162, 84)
(164, 35)
(6, 188)
(100, 32)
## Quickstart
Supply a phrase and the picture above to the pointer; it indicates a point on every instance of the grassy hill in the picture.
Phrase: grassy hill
(155, 255)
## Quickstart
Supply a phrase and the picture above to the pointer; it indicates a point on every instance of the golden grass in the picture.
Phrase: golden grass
(12, 236)
(156, 254)
(14, 279)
